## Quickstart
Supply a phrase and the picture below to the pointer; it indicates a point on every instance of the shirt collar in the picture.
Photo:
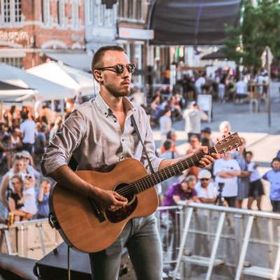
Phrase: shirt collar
(105, 109)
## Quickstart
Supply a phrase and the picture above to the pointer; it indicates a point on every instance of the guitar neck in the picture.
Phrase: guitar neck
(166, 173)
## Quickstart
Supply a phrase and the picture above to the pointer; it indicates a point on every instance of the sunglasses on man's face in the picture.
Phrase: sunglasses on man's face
(119, 68)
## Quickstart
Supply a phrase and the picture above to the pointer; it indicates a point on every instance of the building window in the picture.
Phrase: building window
(10, 11)
(17, 5)
(60, 12)
(7, 10)
(100, 15)
(139, 9)
(75, 14)
(130, 13)
(89, 11)
(13, 61)
(121, 9)
(45, 4)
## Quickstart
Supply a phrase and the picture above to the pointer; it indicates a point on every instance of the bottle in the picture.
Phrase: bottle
(11, 219)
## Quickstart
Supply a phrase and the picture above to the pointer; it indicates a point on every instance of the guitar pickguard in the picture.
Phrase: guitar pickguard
(124, 212)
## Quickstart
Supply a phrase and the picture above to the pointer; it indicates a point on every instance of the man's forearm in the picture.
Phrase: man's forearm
(69, 179)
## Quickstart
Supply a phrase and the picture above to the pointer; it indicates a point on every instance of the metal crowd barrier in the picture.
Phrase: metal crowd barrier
(31, 239)
(224, 243)
(199, 241)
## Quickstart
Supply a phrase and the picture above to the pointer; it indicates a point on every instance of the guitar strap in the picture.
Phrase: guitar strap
(144, 148)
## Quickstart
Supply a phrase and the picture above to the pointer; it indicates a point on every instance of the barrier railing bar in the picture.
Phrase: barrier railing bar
(247, 212)
(183, 242)
(215, 245)
(277, 260)
(244, 247)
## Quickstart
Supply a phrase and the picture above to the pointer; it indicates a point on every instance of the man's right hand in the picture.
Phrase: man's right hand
(110, 199)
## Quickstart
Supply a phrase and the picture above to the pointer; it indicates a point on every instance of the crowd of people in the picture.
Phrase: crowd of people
(233, 180)
(24, 136)
(23, 140)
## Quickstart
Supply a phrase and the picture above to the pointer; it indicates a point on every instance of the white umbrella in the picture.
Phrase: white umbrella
(77, 80)
(47, 90)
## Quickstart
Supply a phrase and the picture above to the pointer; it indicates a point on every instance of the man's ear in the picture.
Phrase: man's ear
(97, 76)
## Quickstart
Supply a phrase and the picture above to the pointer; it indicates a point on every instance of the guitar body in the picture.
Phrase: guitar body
(78, 222)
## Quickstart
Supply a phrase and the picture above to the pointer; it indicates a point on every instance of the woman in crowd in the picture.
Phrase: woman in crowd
(43, 199)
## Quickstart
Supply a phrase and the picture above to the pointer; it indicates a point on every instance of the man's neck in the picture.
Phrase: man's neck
(115, 103)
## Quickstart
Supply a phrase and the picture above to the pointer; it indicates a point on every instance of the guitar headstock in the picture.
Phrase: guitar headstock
(228, 143)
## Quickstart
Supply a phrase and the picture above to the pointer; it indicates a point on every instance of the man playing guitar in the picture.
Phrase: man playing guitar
(100, 134)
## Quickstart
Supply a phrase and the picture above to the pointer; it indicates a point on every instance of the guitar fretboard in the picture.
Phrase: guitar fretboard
(163, 174)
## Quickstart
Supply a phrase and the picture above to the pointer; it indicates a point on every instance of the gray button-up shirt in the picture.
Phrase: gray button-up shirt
(94, 137)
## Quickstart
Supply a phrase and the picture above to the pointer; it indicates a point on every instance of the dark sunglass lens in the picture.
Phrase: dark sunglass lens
(130, 68)
(119, 68)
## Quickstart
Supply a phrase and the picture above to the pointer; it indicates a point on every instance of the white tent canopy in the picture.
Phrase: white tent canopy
(12, 93)
(46, 90)
(77, 80)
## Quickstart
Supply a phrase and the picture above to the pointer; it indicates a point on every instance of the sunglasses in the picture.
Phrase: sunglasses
(119, 68)
(204, 179)
(28, 177)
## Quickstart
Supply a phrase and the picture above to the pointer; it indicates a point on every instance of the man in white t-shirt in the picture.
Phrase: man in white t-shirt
(241, 91)
(193, 117)
(205, 188)
(226, 170)
(28, 131)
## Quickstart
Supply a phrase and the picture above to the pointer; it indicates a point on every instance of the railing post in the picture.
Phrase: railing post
(244, 247)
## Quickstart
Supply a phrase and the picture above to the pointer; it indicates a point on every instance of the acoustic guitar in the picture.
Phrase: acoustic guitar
(88, 228)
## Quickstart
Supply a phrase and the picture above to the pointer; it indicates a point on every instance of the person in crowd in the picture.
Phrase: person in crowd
(99, 134)
(29, 164)
(193, 148)
(168, 153)
(205, 187)
(28, 130)
(15, 198)
(273, 177)
(221, 91)
(56, 127)
(205, 137)
(193, 117)
(181, 193)
(17, 169)
(172, 137)
(40, 143)
(224, 128)
(29, 196)
(256, 190)
(165, 123)
(241, 91)
(199, 83)
(226, 171)
(43, 199)
(243, 179)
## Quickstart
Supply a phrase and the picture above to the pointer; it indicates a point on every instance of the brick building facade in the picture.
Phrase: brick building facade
(31, 28)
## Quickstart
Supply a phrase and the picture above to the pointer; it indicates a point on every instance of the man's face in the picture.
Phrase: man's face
(118, 84)
(204, 182)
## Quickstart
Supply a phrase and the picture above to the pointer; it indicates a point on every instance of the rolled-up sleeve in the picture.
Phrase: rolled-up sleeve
(65, 141)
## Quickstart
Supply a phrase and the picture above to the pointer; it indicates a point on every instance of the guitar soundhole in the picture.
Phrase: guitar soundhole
(123, 213)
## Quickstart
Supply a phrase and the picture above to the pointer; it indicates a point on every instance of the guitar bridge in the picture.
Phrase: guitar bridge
(97, 211)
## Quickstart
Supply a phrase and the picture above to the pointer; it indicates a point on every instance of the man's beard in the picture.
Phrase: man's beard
(117, 93)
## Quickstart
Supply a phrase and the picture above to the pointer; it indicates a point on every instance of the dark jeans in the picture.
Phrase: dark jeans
(141, 238)
(28, 147)
(275, 205)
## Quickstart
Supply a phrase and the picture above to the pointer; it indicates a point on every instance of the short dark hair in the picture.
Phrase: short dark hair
(167, 144)
(96, 60)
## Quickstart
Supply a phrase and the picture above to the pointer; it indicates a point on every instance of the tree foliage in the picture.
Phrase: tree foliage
(260, 27)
